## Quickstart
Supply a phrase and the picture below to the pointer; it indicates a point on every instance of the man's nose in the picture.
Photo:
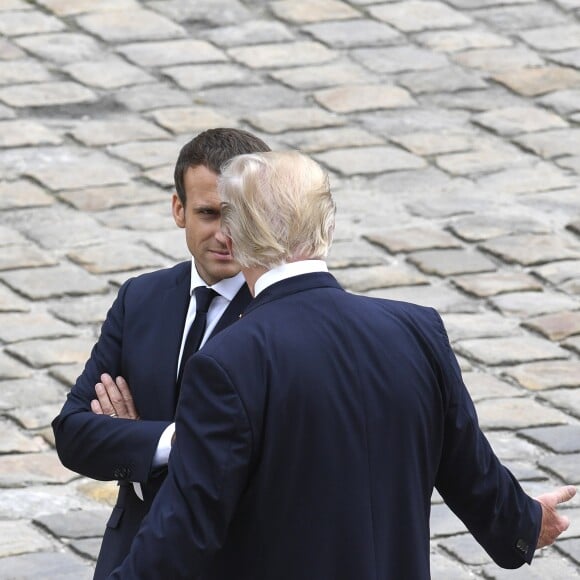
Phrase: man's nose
(220, 237)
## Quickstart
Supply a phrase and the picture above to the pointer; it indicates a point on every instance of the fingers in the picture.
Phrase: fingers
(114, 398)
(553, 524)
(558, 496)
(96, 407)
(127, 398)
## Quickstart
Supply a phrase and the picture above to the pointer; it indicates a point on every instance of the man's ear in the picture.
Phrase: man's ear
(178, 211)
(228, 241)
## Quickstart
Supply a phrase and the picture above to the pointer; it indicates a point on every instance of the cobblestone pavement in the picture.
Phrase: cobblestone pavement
(451, 131)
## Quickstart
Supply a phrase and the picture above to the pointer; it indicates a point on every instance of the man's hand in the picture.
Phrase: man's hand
(553, 524)
(114, 398)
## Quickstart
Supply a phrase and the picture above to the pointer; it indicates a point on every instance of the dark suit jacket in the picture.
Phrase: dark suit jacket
(309, 437)
(140, 340)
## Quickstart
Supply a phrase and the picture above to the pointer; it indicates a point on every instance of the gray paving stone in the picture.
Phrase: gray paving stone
(473, 228)
(43, 390)
(282, 54)
(83, 310)
(511, 449)
(25, 256)
(572, 287)
(281, 120)
(67, 374)
(168, 243)
(146, 154)
(436, 143)
(563, 102)
(353, 33)
(34, 418)
(538, 81)
(75, 524)
(444, 567)
(572, 163)
(106, 258)
(301, 11)
(516, 18)
(472, 100)
(89, 547)
(28, 22)
(483, 386)
(10, 236)
(11, 368)
(64, 280)
(191, 119)
(559, 439)
(61, 48)
(363, 279)
(566, 467)
(530, 249)
(553, 37)
(399, 59)
(15, 327)
(517, 413)
(557, 326)
(116, 130)
(161, 176)
(154, 217)
(418, 15)
(573, 344)
(130, 25)
(444, 522)
(567, 400)
(354, 254)
(17, 133)
(40, 354)
(250, 32)
(471, 4)
(480, 325)
(413, 238)
(107, 73)
(449, 79)
(464, 39)
(569, 58)
(443, 299)
(493, 283)
(22, 469)
(539, 376)
(172, 52)
(354, 98)
(494, 60)
(101, 198)
(20, 194)
(59, 565)
(551, 565)
(19, 537)
(204, 11)
(527, 304)
(46, 94)
(515, 120)
(553, 143)
(66, 8)
(23, 71)
(365, 160)
(148, 97)
(12, 440)
(451, 262)
(333, 138)
(195, 77)
(9, 51)
(325, 75)
(466, 549)
(453, 202)
(509, 350)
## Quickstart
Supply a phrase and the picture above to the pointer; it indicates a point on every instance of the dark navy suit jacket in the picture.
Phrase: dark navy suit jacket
(140, 340)
(309, 438)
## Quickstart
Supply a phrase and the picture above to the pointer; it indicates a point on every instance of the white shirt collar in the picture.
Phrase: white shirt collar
(228, 287)
(288, 271)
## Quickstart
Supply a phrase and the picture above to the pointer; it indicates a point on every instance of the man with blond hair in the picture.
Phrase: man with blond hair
(311, 433)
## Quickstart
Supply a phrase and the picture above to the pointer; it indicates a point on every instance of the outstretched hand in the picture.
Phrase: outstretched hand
(114, 398)
(553, 524)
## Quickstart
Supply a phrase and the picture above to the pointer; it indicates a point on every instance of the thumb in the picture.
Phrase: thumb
(558, 496)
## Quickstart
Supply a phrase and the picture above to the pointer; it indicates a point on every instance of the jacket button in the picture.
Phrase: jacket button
(522, 546)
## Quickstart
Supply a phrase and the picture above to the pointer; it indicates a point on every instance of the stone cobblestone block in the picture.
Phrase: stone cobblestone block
(170, 244)
(480, 325)
(35, 417)
(559, 272)
(436, 143)
(319, 76)
(514, 120)
(559, 439)
(539, 376)
(145, 154)
(195, 77)
(552, 566)
(572, 163)
(172, 52)
(67, 374)
(302, 11)
(566, 467)
(515, 18)
(66, 8)
(281, 120)
(83, 310)
(451, 262)
(9, 51)
(106, 258)
(564, 102)
(419, 15)
(153, 217)
(509, 350)
(22, 469)
(130, 25)
(15, 327)
(12, 440)
(75, 524)
(10, 236)
(216, 12)
(398, 59)
(476, 100)
(497, 60)
(513, 449)
(353, 33)
(46, 94)
(88, 547)
(25, 256)
(40, 353)
(23, 71)
(20, 194)
(41, 283)
(116, 130)
(464, 548)
(19, 537)
(573, 344)
(18, 23)
(566, 399)
(474, 228)
(61, 48)
(444, 522)
(517, 413)
(18, 133)
(12, 369)
(282, 54)
(250, 32)
(530, 249)
(150, 97)
(161, 176)
(538, 81)
(464, 39)
(365, 160)
(493, 283)
(483, 386)
(571, 548)
(354, 98)
(485, 158)
(104, 492)
(356, 253)
(189, 120)
(449, 79)
(363, 279)
(553, 37)
(61, 565)
(444, 567)
(18, 393)
(107, 73)
(568, 58)
(557, 326)
(528, 304)
(333, 138)
(413, 238)
(555, 143)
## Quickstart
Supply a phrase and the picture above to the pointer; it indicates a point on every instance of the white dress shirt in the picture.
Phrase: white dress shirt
(288, 270)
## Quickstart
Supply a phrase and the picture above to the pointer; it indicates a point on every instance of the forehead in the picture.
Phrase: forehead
(200, 185)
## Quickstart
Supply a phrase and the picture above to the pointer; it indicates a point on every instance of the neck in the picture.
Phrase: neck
(251, 275)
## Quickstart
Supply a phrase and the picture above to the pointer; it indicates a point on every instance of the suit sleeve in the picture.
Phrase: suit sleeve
(99, 446)
(472, 481)
(208, 470)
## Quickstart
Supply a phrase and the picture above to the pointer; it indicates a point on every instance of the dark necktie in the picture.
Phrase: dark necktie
(203, 298)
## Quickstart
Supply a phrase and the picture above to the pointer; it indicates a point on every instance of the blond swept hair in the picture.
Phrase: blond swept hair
(277, 208)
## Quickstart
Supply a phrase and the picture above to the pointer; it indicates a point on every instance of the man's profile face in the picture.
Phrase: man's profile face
(201, 218)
